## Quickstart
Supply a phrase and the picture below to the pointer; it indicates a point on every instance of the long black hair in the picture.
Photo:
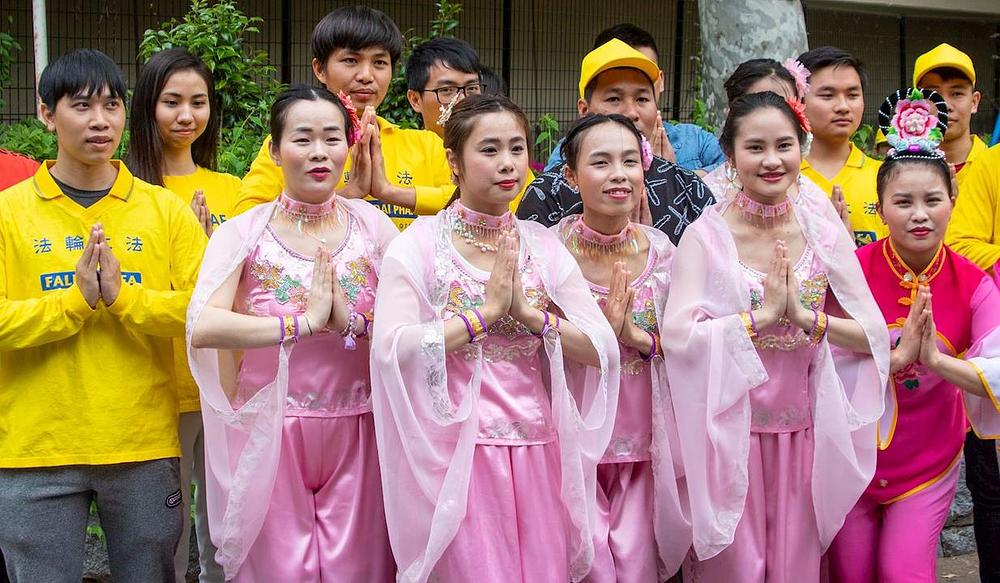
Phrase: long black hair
(745, 105)
(145, 150)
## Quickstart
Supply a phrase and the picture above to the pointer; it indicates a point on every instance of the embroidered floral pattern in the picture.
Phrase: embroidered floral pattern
(286, 288)
(495, 352)
(812, 295)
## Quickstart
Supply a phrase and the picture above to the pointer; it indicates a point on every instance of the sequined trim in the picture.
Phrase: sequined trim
(515, 431)
(812, 295)
(497, 352)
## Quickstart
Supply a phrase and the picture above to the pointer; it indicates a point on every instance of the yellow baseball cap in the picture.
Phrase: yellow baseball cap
(880, 138)
(615, 54)
(943, 55)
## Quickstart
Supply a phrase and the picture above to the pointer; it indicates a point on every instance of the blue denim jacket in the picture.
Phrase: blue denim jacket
(695, 148)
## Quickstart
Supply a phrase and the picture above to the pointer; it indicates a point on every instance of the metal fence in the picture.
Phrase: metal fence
(536, 44)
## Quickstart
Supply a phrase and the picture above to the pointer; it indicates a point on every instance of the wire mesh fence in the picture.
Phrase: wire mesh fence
(537, 45)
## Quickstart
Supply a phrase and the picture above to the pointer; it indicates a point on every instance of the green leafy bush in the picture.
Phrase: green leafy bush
(864, 139)
(395, 107)
(546, 137)
(8, 48)
(29, 137)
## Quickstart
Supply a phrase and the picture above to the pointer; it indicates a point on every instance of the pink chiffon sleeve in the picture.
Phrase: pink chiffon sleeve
(711, 366)
(242, 443)
(984, 412)
(426, 438)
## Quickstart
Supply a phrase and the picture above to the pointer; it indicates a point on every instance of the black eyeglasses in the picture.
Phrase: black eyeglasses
(446, 94)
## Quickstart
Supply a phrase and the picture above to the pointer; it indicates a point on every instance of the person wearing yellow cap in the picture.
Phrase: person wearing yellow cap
(973, 233)
(834, 106)
(949, 71)
(616, 78)
(684, 144)
(881, 144)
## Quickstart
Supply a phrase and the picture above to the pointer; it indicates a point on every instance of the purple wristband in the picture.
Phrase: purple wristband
(652, 347)
(281, 327)
(367, 323)
(482, 320)
(753, 321)
(545, 327)
(468, 326)
(295, 319)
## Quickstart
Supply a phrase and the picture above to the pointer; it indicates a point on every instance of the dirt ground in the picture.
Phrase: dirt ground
(960, 569)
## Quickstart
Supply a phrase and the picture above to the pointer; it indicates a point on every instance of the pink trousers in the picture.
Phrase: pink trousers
(624, 542)
(326, 521)
(515, 528)
(776, 540)
(894, 542)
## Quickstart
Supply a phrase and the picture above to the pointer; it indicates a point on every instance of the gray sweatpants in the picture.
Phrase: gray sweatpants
(43, 520)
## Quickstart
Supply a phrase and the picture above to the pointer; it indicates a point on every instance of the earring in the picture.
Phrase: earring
(733, 177)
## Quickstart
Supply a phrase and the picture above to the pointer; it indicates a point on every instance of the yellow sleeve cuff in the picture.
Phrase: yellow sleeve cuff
(76, 304)
(986, 386)
(126, 297)
(428, 200)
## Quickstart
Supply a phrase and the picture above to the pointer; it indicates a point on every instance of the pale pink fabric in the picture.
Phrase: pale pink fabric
(428, 410)
(713, 366)
(625, 546)
(516, 527)
(893, 542)
(776, 540)
(984, 412)
(244, 439)
(644, 430)
(325, 520)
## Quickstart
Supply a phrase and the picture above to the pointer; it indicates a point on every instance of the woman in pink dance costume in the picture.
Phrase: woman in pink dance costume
(943, 314)
(777, 361)
(488, 462)
(277, 336)
(641, 530)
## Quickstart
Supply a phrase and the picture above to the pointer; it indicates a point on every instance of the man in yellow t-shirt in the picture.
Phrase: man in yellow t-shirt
(354, 50)
(96, 271)
(834, 107)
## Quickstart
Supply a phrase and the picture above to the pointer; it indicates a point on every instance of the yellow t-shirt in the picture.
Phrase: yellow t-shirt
(413, 158)
(978, 147)
(857, 179)
(221, 194)
(83, 386)
(974, 230)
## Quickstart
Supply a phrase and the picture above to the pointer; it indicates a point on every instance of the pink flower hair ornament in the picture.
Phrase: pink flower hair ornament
(646, 152)
(914, 121)
(801, 75)
(352, 113)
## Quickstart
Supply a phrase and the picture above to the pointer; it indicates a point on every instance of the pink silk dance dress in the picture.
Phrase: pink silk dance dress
(642, 532)
(893, 531)
(294, 492)
(488, 463)
(777, 436)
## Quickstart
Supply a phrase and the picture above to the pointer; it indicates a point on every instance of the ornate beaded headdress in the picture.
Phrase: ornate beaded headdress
(914, 121)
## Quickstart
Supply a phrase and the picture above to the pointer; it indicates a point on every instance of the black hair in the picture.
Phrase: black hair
(289, 97)
(629, 34)
(749, 72)
(355, 28)
(493, 83)
(949, 74)
(745, 105)
(80, 72)
(145, 152)
(452, 53)
(893, 165)
(588, 90)
(579, 130)
(460, 124)
(823, 57)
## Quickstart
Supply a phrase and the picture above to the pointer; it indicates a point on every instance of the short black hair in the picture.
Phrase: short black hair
(451, 52)
(949, 74)
(80, 72)
(745, 105)
(823, 57)
(574, 138)
(355, 28)
(493, 83)
(629, 34)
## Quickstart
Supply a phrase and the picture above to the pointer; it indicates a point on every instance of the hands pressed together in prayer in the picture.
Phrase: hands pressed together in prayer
(98, 272)
(918, 341)
(781, 294)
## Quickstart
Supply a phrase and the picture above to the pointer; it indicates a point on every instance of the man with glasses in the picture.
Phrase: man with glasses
(438, 72)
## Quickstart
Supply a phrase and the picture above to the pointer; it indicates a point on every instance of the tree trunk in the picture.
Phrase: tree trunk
(733, 31)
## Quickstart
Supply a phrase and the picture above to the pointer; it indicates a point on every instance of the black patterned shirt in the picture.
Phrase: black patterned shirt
(676, 198)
